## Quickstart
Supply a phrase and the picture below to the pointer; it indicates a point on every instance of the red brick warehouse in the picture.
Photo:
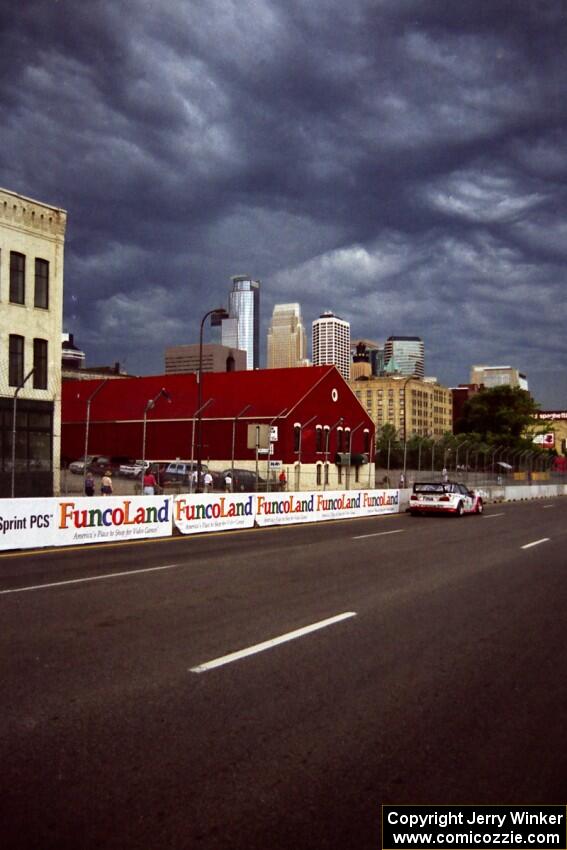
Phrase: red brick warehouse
(317, 416)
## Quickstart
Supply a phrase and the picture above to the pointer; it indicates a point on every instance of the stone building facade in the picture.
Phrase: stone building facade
(414, 407)
(32, 238)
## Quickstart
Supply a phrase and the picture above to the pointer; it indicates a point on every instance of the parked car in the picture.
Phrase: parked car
(134, 469)
(444, 497)
(180, 472)
(98, 464)
(243, 480)
(78, 466)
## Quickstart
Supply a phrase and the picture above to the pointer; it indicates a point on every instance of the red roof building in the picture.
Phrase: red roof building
(316, 414)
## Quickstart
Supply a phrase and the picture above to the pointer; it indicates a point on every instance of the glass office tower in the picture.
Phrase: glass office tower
(407, 353)
(242, 329)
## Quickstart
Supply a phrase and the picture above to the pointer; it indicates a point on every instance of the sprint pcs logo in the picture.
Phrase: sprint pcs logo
(25, 523)
(114, 516)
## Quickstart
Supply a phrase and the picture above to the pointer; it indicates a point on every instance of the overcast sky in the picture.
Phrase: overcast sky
(401, 163)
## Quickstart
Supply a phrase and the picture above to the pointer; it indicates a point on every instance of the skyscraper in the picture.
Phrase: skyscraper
(242, 328)
(331, 343)
(287, 343)
(405, 355)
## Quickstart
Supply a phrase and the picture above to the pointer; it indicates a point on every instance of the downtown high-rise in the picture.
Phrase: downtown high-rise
(405, 355)
(331, 343)
(242, 329)
(287, 342)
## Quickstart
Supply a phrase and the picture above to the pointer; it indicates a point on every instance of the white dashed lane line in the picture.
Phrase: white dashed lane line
(378, 534)
(490, 516)
(89, 578)
(535, 543)
(269, 644)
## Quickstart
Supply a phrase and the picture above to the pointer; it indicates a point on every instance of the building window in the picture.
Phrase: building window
(296, 438)
(17, 278)
(366, 449)
(16, 361)
(319, 468)
(340, 444)
(40, 364)
(41, 294)
(319, 439)
(326, 473)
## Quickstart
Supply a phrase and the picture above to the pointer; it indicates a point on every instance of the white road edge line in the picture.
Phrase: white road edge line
(547, 506)
(89, 578)
(535, 543)
(378, 534)
(268, 644)
(488, 516)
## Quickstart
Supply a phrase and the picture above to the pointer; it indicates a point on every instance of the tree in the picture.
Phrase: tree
(500, 414)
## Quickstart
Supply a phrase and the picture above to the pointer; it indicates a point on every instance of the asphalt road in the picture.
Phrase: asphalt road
(444, 682)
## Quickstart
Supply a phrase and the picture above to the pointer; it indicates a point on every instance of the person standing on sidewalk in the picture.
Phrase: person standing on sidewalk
(150, 483)
(106, 484)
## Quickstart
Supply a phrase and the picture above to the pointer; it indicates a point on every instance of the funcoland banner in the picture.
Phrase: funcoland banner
(68, 521)
(35, 523)
(284, 508)
(213, 512)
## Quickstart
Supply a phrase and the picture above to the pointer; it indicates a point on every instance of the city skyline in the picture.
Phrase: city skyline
(403, 164)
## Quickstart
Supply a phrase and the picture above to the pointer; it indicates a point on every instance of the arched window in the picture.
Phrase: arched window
(319, 438)
(230, 364)
(296, 437)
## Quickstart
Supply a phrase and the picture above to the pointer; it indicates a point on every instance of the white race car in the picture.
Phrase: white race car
(444, 498)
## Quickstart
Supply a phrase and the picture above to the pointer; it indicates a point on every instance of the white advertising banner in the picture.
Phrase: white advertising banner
(68, 521)
(283, 508)
(213, 512)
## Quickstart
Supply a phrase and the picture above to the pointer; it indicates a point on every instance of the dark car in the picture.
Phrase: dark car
(243, 480)
(98, 464)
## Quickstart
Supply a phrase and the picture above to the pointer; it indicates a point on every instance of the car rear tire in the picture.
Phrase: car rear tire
(460, 510)
(479, 507)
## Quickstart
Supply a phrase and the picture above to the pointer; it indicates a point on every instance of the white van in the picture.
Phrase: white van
(180, 471)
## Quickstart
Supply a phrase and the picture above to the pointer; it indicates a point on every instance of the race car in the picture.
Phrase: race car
(429, 497)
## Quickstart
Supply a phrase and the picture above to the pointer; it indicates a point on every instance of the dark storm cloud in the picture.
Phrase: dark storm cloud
(402, 163)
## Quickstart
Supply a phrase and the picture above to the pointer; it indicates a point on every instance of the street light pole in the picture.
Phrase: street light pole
(150, 404)
(18, 388)
(87, 424)
(218, 313)
(459, 446)
(206, 404)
